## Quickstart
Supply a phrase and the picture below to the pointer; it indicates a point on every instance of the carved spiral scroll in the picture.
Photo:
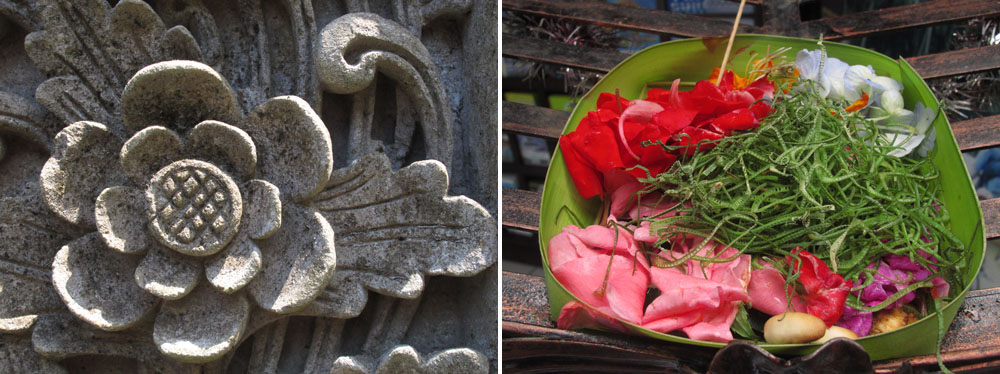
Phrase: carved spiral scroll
(355, 47)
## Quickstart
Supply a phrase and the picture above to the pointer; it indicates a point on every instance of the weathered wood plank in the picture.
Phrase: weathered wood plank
(533, 120)
(970, 345)
(977, 133)
(962, 61)
(603, 60)
(602, 13)
(525, 300)
(991, 215)
(586, 58)
(900, 17)
(520, 208)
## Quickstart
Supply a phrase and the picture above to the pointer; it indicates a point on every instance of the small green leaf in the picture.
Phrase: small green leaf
(741, 326)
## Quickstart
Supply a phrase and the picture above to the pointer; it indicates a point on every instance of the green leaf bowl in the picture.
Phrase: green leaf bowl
(692, 60)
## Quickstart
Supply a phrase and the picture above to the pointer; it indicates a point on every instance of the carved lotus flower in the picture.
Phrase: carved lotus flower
(195, 208)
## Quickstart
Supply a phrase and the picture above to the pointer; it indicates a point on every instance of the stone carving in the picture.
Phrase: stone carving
(404, 359)
(170, 206)
(177, 185)
(400, 56)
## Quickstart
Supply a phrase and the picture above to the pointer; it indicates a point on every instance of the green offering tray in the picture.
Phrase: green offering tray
(692, 60)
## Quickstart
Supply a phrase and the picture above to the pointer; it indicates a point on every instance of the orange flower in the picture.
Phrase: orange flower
(859, 104)
(738, 82)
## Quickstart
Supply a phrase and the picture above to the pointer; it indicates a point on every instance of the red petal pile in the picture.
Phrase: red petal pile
(825, 291)
(613, 137)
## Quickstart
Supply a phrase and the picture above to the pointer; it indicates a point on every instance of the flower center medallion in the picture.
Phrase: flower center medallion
(195, 207)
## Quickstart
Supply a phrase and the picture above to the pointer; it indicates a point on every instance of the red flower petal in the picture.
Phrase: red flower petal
(692, 136)
(595, 146)
(826, 291)
(672, 120)
(607, 101)
(761, 88)
(585, 178)
(739, 119)
(760, 109)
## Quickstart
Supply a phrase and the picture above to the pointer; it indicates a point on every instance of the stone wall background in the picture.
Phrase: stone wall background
(264, 49)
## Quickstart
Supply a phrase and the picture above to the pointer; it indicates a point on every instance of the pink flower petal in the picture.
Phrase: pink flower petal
(578, 316)
(941, 287)
(767, 292)
(702, 308)
(714, 327)
(584, 278)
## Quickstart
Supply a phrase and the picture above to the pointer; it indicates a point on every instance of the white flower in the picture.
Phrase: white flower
(808, 63)
(888, 112)
(828, 71)
(832, 78)
(857, 80)
(913, 134)
(901, 128)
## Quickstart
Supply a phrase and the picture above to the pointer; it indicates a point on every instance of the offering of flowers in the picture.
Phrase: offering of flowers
(799, 193)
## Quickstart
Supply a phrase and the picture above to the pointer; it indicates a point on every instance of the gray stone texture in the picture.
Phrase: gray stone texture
(235, 186)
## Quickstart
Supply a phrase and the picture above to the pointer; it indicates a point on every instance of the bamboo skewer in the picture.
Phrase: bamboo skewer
(729, 46)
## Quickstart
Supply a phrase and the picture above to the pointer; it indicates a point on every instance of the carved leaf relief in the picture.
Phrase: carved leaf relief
(395, 227)
(352, 50)
(91, 51)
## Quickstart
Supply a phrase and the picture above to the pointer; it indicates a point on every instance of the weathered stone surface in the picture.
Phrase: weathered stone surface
(202, 327)
(352, 50)
(298, 261)
(167, 275)
(119, 214)
(182, 178)
(97, 285)
(232, 270)
(395, 227)
(405, 360)
(296, 156)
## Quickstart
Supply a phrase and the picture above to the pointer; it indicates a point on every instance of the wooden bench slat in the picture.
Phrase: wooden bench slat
(520, 208)
(586, 58)
(991, 215)
(525, 300)
(961, 61)
(602, 13)
(931, 66)
(533, 120)
(977, 133)
(901, 17)
(972, 336)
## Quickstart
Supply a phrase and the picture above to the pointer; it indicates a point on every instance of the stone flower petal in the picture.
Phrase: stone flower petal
(298, 261)
(201, 327)
(121, 219)
(293, 146)
(225, 146)
(167, 274)
(177, 94)
(406, 359)
(235, 266)
(149, 150)
(84, 162)
(96, 284)
(262, 214)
